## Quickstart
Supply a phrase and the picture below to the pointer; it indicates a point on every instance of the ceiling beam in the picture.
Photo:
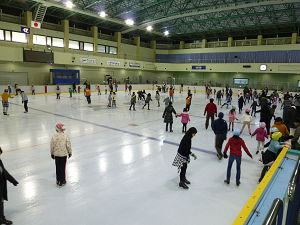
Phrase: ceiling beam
(242, 6)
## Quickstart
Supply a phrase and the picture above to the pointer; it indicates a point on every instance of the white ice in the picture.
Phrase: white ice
(114, 177)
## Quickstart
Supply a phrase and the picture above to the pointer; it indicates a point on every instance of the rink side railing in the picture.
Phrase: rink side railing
(252, 202)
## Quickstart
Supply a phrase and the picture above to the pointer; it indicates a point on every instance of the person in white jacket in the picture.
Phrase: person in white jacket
(25, 101)
(247, 120)
(60, 149)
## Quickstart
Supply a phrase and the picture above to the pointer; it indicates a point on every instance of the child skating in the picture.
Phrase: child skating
(183, 156)
(232, 118)
(5, 102)
(99, 90)
(188, 102)
(57, 92)
(235, 144)
(185, 118)
(227, 102)
(109, 99)
(261, 135)
(247, 120)
(147, 101)
(70, 91)
(114, 100)
(157, 97)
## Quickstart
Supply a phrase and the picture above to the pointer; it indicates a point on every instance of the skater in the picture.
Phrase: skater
(147, 101)
(181, 88)
(211, 111)
(32, 90)
(116, 87)
(25, 101)
(157, 97)
(261, 134)
(185, 118)
(4, 177)
(290, 119)
(232, 118)
(70, 91)
(57, 92)
(105, 90)
(241, 102)
(219, 96)
(168, 117)
(9, 89)
(247, 120)
(215, 92)
(109, 99)
(235, 144)
(188, 102)
(129, 89)
(195, 90)
(114, 100)
(253, 107)
(88, 95)
(5, 102)
(132, 101)
(167, 101)
(183, 156)
(98, 89)
(171, 93)
(227, 102)
(74, 87)
(220, 130)
(60, 148)
(78, 89)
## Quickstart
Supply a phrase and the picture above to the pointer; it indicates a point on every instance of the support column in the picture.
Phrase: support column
(204, 43)
(65, 28)
(137, 42)
(94, 30)
(259, 39)
(230, 42)
(28, 19)
(118, 40)
(153, 47)
(294, 38)
(181, 45)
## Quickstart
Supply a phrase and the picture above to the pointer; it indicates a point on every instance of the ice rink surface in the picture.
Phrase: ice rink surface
(120, 172)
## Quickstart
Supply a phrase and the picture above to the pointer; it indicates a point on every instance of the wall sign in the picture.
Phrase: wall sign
(113, 63)
(88, 61)
(198, 67)
(134, 65)
(25, 30)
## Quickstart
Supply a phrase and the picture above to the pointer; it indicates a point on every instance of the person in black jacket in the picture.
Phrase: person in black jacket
(241, 102)
(265, 116)
(183, 156)
(4, 177)
(167, 115)
(220, 130)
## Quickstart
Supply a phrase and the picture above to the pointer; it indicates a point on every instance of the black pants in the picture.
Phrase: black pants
(167, 124)
(132, 105)
(25, 106)
(146, 104)
(183, 172)
(88, 98)
(220, 138)
(212, 117)
(60, 163)
(2, 209)
(253, 112)
(57, 96)
(33, 92)
(187, 107)
(184, 127)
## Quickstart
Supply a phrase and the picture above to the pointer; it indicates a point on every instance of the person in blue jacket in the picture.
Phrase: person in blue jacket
(275, 146)
(220, 129)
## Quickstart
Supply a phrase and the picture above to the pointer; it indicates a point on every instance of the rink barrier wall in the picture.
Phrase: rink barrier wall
(249, 208)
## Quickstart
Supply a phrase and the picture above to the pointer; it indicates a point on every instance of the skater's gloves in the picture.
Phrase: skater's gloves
(250, 156)
(16, 183)
(52, 156)
(70, 155)
(195, 157)
(225, 155)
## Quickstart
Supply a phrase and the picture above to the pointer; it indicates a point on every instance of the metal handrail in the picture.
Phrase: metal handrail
(293, 181)
(273, 212)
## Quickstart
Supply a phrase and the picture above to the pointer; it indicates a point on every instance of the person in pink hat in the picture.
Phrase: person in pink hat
(60, 148)
(247, 120)
(261, 135)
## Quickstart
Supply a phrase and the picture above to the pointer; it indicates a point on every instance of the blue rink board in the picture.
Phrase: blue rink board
(275, 189)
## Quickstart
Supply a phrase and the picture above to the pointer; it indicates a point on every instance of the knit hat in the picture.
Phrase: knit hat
(276, 136)
(236, 132)
(221, 115)
(262, 125)
(274, 129)
(60, 127)
(247, 110)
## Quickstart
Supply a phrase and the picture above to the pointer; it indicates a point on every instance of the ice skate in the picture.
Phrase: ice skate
(183, 185)
(227, 181)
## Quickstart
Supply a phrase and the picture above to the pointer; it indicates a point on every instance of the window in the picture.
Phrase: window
(19, 37)
(88, 47)
(240, 81)
(112, 50)
(73, 44)
(58, 42)
(7, 35)
(39, 40)
(49, 41)
(2, 35)
(101, 48)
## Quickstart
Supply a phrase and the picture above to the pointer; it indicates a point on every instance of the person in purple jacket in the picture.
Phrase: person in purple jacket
(261, 134)
(185, 118)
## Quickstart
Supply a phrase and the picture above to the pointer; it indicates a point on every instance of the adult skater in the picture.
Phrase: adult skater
(183, 156)
(235, 143)
(220, 130)
(168, 117)
(4, 177)
(188, 102)
(25, 101)
(147, 101)
(60, 148)
(210, 111)
(5, 102)
(132, 101)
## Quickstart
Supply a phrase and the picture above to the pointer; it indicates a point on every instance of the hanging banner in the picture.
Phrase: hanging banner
(113, 63)
(198, 67)
(134, 65)
(88, 61)
(25, 30)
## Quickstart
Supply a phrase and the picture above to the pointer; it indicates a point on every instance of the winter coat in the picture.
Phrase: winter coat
(167, 101)
(290, 117)
(133, 99)
(275, 146)
(24, 97)
(220, 126)
(148, 99)
(4, 177)
(60, 145)
(210, 108)
(58, 91)
(188, 100)
(185, 146)
(87, 92)
(236, 145)
(287, 103)
(261, 134)
(185, 118)
(232, 116)
(157, 97)
(265, 115)
(241, 102)
(114, 97)
(282, 128)
(247, 118)
(5, 96)
(168, 117)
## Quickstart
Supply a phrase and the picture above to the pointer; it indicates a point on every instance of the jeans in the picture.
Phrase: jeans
(238, 160)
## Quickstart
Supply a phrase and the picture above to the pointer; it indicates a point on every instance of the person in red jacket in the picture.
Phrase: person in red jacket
(210, 111)
(235, 143)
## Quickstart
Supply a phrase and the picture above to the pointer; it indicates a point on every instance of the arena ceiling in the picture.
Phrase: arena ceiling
(185, 20)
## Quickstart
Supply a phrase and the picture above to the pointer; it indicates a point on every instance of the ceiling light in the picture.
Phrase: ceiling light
(102, 14)
(149, 28)
(166, 33)
(69, 4)
(129, 22)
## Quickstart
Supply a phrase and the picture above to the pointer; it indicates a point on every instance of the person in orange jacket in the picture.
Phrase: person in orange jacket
(88, 95)
(281, 127)
(171, 93)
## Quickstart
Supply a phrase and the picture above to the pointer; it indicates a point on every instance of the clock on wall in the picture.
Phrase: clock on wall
(263, 67)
